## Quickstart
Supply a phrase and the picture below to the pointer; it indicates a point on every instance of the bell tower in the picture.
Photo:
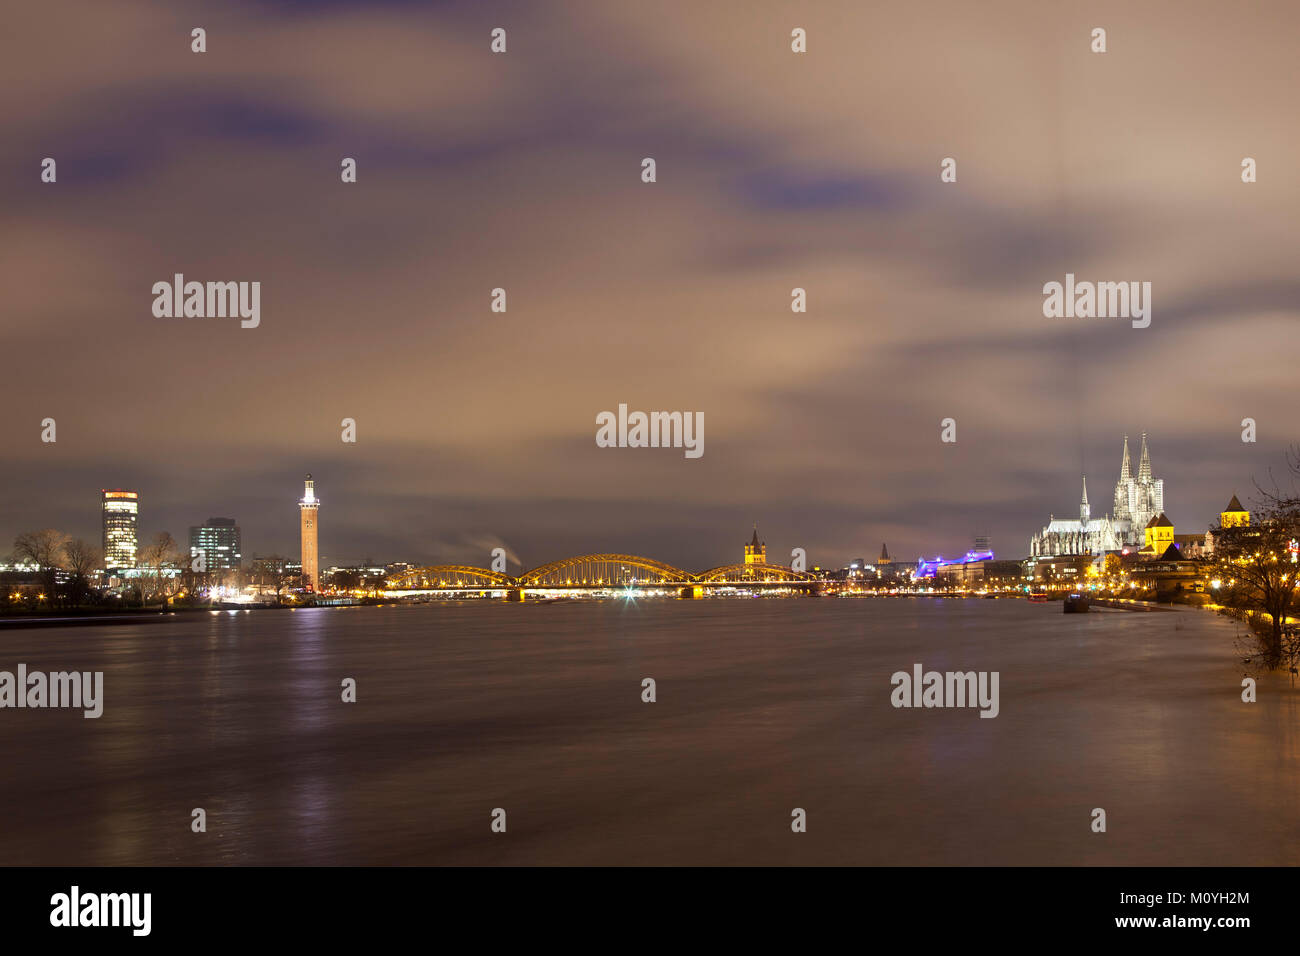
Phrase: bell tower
(1234, 516)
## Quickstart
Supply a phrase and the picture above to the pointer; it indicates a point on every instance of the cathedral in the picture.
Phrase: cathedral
(1137, 502)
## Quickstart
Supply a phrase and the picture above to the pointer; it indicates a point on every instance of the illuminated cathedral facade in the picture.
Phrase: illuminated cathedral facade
(1138, 501)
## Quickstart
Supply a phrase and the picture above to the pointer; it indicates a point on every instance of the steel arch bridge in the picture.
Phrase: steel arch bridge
(449, 577)
(752, 574)
(604, 569)
(595, 572)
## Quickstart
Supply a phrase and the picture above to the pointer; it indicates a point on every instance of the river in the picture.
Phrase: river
(762, 706)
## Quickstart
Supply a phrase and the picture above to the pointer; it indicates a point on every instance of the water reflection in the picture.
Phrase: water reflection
(762, 706)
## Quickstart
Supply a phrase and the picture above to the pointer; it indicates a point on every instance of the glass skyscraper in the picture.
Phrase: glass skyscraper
(218, 542)
(121, 509)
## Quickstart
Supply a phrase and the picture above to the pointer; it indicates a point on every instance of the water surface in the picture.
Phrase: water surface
(763, 706)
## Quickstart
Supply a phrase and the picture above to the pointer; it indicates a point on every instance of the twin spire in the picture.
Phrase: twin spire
(1144, 463)
(1125, 473)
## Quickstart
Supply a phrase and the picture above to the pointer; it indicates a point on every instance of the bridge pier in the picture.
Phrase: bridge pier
(515, 594)
(692, 591)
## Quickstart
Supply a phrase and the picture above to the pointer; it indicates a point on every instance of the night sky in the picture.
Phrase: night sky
(522, 170)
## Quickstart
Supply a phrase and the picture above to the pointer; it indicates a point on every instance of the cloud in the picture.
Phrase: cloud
(521, 171)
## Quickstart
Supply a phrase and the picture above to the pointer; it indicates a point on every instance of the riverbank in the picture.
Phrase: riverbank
(72, 617)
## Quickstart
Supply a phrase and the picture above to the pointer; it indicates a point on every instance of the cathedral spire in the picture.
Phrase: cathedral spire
(1084, 511)
(1125, 470)
(1144, 466)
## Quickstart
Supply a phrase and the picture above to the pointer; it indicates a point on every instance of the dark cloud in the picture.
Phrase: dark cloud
(794, 190)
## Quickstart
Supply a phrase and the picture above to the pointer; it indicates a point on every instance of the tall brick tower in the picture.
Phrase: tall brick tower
(310, 506)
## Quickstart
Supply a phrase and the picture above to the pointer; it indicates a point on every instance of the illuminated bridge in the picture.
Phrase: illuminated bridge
(598, 572)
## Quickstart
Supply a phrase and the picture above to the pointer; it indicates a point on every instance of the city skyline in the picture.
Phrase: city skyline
(590, 434)
(309, 504)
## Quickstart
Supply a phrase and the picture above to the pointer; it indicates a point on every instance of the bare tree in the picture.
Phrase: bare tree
(158, 557)
(195, 576)
(270, 572)
(45, 550)
(1258, 570)
(80, 559)
(1291, 650)
(194, 582)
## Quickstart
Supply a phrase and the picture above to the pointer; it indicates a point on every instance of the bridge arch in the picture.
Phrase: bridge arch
(752, 573)
(448, 576)
(604, 569)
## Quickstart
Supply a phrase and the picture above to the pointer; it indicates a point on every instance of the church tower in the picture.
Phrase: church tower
(1158, 535)
(1123, 506)
(756, 551)
(1138, 498)
(1234, 516)
(1150, 491)
(310, 506)
(1085, 513)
